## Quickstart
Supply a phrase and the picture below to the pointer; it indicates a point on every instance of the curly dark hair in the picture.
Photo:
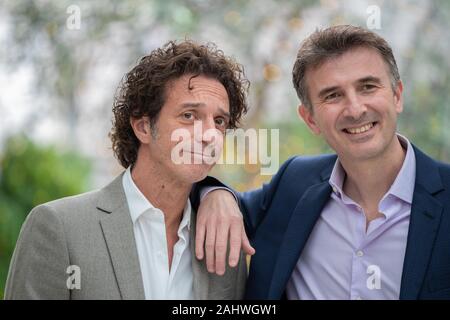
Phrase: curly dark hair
(142, 90)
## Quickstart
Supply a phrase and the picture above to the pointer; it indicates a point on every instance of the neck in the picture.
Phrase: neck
(368, 181)
(164, 192)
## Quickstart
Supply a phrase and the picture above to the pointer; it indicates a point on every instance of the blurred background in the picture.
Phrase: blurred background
(58, 76)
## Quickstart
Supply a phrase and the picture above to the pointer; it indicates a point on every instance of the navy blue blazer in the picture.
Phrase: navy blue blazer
(280, 216)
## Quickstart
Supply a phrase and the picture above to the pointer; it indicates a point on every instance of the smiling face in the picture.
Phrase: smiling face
(353, 104)
(197, 104)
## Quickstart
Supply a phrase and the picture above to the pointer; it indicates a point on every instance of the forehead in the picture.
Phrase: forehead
(196, 88)
(350, 66)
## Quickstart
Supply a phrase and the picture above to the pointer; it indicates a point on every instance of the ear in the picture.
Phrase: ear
(307, 115)
(141, 128)
(398, 97)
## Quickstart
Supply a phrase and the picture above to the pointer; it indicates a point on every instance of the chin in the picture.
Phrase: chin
(195, 172)
(363, 151)
(366, 154)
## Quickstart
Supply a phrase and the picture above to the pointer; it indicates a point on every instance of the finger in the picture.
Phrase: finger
(200, 238)
(246, 246)
(210, 246)
(235, 244)
(221, 247)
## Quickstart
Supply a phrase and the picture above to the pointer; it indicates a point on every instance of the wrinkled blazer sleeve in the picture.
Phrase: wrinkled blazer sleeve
(253, 204)
(40, 259)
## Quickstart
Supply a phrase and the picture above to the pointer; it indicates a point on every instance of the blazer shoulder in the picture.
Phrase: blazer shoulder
(309, 166)
(444, 170)
(314, 161)
(71, 203)
(69, 211)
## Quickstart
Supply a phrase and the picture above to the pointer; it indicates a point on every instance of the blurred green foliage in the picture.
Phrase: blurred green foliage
(31, 175)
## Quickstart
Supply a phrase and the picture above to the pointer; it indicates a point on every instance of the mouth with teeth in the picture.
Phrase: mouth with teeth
(361, 129)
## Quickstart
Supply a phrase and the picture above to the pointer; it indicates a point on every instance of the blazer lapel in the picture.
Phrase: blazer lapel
(425, 217)
(118, 232)
(302, 222)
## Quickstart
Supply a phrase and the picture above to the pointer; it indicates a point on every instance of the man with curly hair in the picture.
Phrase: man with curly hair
(134, 238)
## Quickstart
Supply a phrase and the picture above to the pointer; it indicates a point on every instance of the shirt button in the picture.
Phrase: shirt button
(359, 253)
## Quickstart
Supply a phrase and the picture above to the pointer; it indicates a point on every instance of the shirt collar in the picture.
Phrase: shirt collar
(138, 203)
(403, 186)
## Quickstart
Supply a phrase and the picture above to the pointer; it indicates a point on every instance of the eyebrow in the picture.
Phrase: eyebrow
(369, 79)
(325, 91)
(199, 105)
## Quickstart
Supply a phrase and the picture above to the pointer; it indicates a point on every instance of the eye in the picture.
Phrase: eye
(220, 121)
(222, 124)
(188, 116)
(368, 87)
(332, 96)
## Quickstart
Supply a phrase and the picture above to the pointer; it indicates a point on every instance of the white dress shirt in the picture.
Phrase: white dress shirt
(150, 235)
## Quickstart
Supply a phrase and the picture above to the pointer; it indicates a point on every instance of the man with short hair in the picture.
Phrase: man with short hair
(372, 221)
(134, 238)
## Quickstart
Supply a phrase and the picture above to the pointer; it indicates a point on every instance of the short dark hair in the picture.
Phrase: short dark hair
(142, 90)
(334, 41)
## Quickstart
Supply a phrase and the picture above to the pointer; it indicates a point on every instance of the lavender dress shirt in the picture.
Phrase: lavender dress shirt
(341, 260)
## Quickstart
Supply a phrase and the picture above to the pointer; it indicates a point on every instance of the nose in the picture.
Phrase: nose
(206, 133)
(210, 132)
(355, 108)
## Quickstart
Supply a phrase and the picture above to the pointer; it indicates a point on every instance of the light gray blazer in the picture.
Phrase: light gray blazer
(94, 231)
